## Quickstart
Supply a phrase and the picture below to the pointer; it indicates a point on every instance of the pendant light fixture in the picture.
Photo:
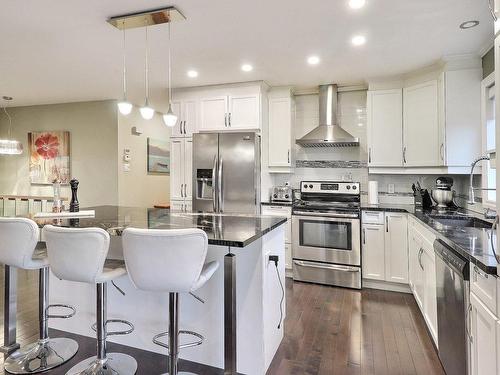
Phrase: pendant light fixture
(147, 112)
(10, 146)
(124, 106)
(169, 118)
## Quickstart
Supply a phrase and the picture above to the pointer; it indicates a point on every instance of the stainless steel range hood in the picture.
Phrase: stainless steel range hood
(328, 133)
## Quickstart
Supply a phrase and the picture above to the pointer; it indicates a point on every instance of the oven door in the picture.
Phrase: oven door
(326, 239)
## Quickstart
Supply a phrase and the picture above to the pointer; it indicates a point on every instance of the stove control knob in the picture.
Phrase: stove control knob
(353, 187)
(275, 196)
(310, 186)
(286, 196)
(348, 187)
(305, 186)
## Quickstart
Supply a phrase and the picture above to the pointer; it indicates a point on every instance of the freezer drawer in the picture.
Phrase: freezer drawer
(325, 273)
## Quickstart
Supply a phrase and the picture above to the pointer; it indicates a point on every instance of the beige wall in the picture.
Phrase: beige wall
(93, 140)
(137, 188)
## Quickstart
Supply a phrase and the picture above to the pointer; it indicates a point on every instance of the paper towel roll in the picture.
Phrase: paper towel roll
(372, 192)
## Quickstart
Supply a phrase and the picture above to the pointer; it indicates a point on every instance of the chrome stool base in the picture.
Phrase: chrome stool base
(115, 364)
(41, 356)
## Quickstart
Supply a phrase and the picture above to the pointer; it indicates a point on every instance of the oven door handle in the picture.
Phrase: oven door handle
(326, 215)
(334, 267)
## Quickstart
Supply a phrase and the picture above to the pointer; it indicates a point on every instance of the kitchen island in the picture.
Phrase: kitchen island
(243, 311)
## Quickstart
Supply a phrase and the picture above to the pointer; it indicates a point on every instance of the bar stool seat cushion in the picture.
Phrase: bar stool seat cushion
(19, 237)
(206, 273)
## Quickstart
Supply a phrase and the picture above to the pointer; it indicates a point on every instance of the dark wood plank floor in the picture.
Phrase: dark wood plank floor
(328, 330)
(336, 331)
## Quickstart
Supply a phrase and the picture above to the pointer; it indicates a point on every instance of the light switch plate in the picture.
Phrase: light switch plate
(390, 188)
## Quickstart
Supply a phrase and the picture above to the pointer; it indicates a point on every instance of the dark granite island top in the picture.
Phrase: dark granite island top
(472, 243)
(236, 230)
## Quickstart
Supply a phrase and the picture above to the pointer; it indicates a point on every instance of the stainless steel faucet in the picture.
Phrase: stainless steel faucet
(472, 188)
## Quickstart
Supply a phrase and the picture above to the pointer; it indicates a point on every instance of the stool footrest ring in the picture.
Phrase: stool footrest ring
(66, 316)
(181, 332)
(115, 333)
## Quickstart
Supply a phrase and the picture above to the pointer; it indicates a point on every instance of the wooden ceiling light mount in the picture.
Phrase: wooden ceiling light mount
(146, 18)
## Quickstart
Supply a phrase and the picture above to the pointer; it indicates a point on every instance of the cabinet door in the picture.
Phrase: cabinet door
(214, 113)
(188, 205)
(413, 250)
(177, 205)
(396, 247)
(244, 112)
(189, 118)
(177, 169)
(385, 128)
(430, 300)
(177, 129)
(188, 168)
(373, 266)
(484, 345)
(421, 138)
(280, 132)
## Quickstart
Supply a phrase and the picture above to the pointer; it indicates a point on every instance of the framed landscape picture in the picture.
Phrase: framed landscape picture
(49, 157)
(158, 156)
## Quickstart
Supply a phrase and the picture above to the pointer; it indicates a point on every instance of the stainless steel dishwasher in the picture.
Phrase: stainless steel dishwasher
(452, 291)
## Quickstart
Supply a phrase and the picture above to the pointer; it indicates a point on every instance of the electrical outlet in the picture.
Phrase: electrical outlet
(390, 188)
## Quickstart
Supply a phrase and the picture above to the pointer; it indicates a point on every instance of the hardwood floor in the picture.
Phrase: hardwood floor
(328, 330)
(338, 331)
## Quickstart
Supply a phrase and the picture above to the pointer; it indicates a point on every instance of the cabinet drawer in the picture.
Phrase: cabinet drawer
(284, 211)
(484, 287)
(372, 217)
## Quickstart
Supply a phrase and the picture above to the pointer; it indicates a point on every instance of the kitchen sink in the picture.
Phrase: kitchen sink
(461, 222)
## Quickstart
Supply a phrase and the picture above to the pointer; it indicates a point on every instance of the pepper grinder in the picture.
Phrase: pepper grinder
(74, 206)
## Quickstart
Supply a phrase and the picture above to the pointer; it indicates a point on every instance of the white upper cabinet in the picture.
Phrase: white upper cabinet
(281, 119)
(214, 113)
(421, 140)
(385, 131)
(396, 247)
(244, 112)
(186, 118)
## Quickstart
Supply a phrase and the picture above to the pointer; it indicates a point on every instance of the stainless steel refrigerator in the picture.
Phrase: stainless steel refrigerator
(226, 172)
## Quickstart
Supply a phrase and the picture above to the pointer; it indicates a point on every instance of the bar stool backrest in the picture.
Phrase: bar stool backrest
(18, 239)
(164, 260)
(76, 254)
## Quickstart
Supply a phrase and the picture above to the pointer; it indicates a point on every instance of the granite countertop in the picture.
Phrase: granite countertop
(472, 243)
(236, 230)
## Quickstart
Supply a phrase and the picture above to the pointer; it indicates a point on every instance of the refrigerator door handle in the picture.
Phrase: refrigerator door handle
(220, 186)
(214, 184)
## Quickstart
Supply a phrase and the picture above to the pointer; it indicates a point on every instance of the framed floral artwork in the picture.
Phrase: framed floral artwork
(49, 157)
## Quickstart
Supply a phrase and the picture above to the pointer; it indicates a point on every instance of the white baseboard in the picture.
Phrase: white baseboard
(384, 285)
(289, 272)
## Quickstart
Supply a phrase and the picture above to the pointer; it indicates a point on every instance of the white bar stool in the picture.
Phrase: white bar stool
(18, 248)
(170, 261)
(79, 254)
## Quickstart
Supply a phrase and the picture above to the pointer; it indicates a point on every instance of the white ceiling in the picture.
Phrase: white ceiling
(62, 51)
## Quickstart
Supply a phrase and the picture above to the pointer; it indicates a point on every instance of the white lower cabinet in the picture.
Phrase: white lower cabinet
(373, 248)
(429, 289)
(385, 248)
(181, 166)
(484, 327)
(181, 205)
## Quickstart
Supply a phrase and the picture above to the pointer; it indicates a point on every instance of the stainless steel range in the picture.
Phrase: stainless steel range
(326, 245)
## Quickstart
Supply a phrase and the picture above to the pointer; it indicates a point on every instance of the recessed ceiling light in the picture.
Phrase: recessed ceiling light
(247, 67)
(358, 40)
(360, 124)
(192, 73)
(357, 4)
(313, 60)
(469, 24)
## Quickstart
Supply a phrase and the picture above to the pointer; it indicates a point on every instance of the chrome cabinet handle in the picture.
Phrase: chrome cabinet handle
(370, 155)
(182, 194)
(229, 119)
(184, 126)
(404, 154)
(387, 224)
(185, 190)
(420, 258)
(289, 155)
(364, 236)
(441, 151)
(180, 127)
(225, 120)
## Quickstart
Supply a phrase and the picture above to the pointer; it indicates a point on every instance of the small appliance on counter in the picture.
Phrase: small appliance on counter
(282, 194)
(443, 194)
(423, 199)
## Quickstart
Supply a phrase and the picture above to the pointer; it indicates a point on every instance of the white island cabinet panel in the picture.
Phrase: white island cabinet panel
(258, 297)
